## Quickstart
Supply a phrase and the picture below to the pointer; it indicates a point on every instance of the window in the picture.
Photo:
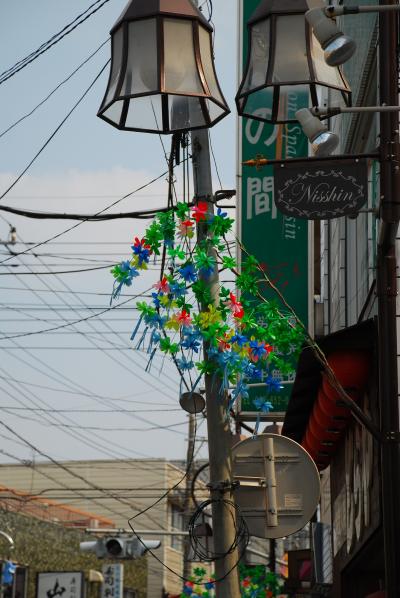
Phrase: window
(177, 523)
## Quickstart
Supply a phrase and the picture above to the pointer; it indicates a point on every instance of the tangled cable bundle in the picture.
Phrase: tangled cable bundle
(240, 540)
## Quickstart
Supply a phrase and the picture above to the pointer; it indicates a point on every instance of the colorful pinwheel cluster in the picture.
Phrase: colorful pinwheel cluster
(255, 582)
(196, 587)
(258, 582)
(245, 339)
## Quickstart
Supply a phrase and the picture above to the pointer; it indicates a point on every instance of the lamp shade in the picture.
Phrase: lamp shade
(162, 77)
(285, 61)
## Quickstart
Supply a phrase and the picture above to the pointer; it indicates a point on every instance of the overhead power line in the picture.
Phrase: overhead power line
(81, 18)
(113, 307)
(19, 177)
(138, 215)
(74, 226)
(53, 273)
(28, 114)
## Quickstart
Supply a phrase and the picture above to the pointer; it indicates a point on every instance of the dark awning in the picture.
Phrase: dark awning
(308, 375)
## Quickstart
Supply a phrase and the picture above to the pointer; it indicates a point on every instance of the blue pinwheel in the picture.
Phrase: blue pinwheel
(188, 273)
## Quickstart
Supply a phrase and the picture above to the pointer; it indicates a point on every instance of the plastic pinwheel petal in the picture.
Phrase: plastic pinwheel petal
(176, 253)
(200, 212)
(188, 273)
(162, 286)
(184, 365)
(184, 318)
(239, 339)
(186, 229)
(229, 263)
(191, 340)
(204, 263)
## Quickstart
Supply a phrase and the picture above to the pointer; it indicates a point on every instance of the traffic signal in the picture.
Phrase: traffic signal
(119, 547)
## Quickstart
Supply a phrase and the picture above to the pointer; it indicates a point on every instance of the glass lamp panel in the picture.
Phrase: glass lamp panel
(208, 65)
(141, 69)
(259, 56)
(185, 113)
(181, 75)
(291, 62)
(291, 99)
(145, 113)
(214, 110)
(116, 65)
(324, 74)
(257, 103)
(113, 113)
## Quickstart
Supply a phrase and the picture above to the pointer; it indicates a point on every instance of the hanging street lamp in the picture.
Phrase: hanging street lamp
(162, 77)
(284, 57)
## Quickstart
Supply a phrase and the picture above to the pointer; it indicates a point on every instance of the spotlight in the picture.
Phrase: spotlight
(338, 48)
(323, 141)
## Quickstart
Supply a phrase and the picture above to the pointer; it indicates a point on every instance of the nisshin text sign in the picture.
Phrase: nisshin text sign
(328, 189)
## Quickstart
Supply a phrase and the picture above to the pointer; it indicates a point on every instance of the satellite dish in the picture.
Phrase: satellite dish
(279, 487)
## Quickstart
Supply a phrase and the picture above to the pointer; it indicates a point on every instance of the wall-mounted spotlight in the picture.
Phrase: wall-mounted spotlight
(323, 141)
(338, 47)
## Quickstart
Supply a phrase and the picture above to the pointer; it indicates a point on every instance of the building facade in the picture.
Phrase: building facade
(117, 490)
(346, 300)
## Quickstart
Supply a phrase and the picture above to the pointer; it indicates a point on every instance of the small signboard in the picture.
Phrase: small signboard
(113, 585)
(323, 190)
(63, 584)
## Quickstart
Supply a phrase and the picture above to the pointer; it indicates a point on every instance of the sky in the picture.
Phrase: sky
(90, 367)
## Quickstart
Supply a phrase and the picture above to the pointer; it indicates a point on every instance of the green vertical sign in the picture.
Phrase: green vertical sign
(279, 242)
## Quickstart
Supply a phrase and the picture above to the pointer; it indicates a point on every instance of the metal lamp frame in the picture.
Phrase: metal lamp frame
(272, 9)
(168, 9)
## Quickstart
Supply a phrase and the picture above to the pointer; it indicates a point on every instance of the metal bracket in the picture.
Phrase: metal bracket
(392, 437)
(225, 486)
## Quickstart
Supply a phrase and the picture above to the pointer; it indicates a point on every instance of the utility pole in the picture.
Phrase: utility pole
(219, 435)
(188, 505)
(387, 298)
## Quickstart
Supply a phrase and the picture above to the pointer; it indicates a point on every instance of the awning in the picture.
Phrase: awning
(308, 374)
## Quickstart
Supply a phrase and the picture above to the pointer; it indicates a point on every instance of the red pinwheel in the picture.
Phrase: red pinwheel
(184, 318)
(235, 306)
(200, 211)
(223, 344)
(186, 228)
(162, 286)
(141, 243)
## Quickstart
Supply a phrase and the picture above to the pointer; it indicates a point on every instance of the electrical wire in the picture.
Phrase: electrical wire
(108, 309)
(78, 271)
(87, 395)
(101, 428)
(17, 122)
(55, 39)
(138, 215)
(118, 364)
(67, 230)
(42, 410)
(33, 160)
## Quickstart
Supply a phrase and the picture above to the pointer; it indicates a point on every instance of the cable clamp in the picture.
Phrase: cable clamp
(225, 486)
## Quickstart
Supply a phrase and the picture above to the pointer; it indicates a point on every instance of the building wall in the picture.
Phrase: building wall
(121, 490)
(44, 546)
(348, 250)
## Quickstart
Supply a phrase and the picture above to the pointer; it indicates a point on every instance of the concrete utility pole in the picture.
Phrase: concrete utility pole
(219, 435)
